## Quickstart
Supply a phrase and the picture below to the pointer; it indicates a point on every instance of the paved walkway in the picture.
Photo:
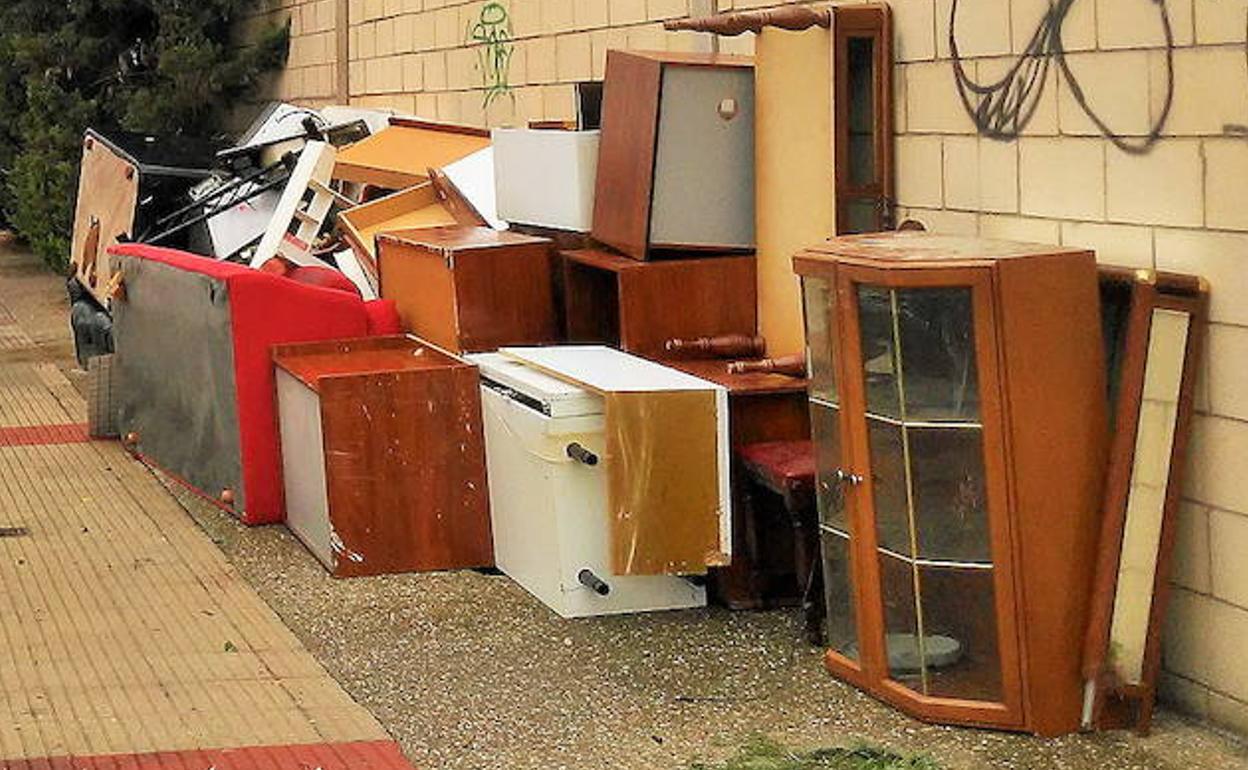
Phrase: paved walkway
(123, 629)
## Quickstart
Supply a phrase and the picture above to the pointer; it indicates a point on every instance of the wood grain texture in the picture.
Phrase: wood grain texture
(630, 124)
(471, 289)
(639, 306)
(401, 155)
(793, 17)
(405, 461)
(417, 206)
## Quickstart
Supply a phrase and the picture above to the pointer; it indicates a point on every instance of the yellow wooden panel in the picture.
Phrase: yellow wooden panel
(662, 492)
(796, 190)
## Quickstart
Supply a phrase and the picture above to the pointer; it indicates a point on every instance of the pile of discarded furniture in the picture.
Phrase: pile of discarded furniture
(426, 347)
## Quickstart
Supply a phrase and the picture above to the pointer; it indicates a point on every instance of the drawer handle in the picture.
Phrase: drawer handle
(581, 454)
(593, 582)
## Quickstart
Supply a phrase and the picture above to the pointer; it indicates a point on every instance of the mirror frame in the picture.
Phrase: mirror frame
(1109, 703)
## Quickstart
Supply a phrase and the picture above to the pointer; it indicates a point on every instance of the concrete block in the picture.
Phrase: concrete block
(1228, 539)
(1192, 564)
(919, 171)
(539, 57)
(1220, 258)
(1224, 371)
(1062, 177)
(914, 31)
(557, 16)
(624, 12)
(982, 28)
(1226, 183)
(1214, 474)
(1210, 89)
(932, 105)
(1163, 187)
(1078, 29)
(1012, 228)
(574, 59)
(1220, 21)
(591, 14)
(1139, 25)
(1115, 88)
(1195, 650)
(1122, 245)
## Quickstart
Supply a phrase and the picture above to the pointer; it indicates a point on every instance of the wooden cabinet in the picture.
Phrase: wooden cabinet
(382, 456)
(676, 163)
(470, 289)
(958, 410)
(639, 306)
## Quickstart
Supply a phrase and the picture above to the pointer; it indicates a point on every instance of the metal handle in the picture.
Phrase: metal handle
(594, 583)
(581, 454)
(848, 478)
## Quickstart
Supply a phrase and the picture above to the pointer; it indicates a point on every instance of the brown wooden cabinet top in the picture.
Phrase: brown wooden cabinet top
(456, 238)
(312, 361)
(919, 249)
(616, 263)
(746, 384)
(690, 58)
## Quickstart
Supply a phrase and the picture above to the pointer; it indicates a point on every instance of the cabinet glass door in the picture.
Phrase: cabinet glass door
(927, 488)
(819, 298)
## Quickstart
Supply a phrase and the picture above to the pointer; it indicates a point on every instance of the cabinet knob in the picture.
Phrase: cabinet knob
(848, 478)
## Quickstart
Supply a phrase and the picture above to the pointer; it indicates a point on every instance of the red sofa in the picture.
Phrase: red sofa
(194, 388)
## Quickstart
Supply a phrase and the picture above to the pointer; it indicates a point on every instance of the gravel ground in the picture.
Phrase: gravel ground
(467, 671)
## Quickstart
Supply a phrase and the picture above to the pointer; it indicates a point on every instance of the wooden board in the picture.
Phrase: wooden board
(401, 155)
(794, 172)
(108, 186)
(417, 206)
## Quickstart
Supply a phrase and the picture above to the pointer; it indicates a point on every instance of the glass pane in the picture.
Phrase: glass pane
(951, 510)
(888, 481)
(861, 60)
(875, 321)
(938, 354)
(826, 433)
(860, 216)
(1150, 475)
(960, 633)
(901, 621)
(838, 586)
(820, 301)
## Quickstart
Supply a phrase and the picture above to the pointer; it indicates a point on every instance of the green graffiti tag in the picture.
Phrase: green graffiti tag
(492, 31)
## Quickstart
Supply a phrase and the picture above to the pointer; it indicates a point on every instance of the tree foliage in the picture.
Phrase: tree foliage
(171, 67)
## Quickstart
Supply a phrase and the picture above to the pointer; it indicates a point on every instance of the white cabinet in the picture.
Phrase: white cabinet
(547, 466)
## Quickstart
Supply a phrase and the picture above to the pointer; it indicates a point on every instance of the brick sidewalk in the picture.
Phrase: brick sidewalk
(126, 639)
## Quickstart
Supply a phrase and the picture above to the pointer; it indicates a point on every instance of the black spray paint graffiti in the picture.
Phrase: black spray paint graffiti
(492, 31)
(1002, 108)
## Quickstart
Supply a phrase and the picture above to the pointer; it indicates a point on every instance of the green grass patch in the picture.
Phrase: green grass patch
(765, 754)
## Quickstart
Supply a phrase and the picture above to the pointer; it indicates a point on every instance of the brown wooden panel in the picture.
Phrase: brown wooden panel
(630, 123)
(663, 494)
(686, 298)
(405, 467)
(471, 289)
(1055, 392)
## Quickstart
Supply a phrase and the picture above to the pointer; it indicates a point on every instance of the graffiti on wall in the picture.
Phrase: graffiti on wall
(1003, 107)
(492, 33)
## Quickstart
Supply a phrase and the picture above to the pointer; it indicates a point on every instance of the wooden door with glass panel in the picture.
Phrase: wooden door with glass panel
(906, 413)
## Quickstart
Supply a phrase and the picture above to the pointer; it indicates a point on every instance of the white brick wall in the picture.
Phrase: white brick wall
(1182, 206)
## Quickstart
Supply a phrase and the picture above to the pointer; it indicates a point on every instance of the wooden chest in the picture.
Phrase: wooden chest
(639, 306)
(470, 289)
(382, 456)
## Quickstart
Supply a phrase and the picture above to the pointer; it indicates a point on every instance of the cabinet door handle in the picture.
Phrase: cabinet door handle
(848, 478)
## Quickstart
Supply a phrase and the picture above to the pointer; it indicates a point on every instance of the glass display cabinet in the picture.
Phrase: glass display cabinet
(958, 410)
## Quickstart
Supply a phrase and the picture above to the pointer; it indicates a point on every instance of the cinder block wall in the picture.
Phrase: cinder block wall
(1181, 205)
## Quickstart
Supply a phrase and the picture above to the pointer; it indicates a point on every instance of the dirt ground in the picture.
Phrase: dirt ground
(467, 671)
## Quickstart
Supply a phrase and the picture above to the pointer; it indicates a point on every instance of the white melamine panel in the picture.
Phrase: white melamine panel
(558, 397)
(546, 178)
(704, 159)
(303, 466)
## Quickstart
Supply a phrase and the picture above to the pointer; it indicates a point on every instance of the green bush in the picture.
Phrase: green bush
(161, 66)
